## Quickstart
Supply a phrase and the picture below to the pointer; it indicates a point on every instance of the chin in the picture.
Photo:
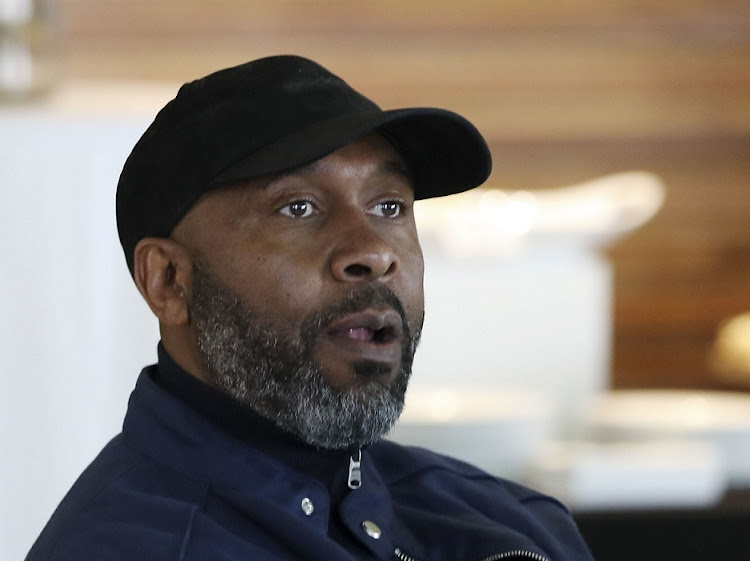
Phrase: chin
(362, 375)
(367, 371)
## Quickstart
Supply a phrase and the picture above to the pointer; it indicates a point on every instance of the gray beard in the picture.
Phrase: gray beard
(275, 373)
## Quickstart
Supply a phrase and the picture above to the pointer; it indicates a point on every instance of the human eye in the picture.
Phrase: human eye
(388, 209)
(301, 208)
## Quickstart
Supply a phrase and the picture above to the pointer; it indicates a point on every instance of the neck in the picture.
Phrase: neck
(330, 467)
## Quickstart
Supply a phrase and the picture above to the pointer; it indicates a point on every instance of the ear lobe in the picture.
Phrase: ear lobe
(163, 274)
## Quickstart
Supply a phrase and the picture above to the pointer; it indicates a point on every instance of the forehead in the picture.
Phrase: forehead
(371, 155)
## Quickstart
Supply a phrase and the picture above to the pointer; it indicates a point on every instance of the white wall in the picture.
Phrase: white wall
(73, 329)
(539, 321)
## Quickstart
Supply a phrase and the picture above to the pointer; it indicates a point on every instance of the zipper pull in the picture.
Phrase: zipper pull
(355, 471)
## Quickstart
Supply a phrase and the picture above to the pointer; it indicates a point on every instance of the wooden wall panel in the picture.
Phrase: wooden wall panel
(564, 91)
(218, 17)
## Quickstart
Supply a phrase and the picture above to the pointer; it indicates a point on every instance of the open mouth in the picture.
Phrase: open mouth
(373, 334)
(385, 334)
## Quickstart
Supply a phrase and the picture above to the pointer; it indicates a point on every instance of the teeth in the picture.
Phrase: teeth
(360, 334)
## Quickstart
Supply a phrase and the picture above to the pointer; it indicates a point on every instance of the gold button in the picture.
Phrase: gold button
(372, 529)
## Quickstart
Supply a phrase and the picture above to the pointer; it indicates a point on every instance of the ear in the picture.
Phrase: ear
(163, 272)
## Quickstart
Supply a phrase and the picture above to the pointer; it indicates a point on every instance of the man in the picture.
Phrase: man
(267, 219)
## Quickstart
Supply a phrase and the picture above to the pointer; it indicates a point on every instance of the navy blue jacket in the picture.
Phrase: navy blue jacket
(173, 486)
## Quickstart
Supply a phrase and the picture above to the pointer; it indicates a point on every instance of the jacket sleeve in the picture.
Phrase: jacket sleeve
(565, 542)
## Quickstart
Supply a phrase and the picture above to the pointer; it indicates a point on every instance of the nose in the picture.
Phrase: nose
(361, 253)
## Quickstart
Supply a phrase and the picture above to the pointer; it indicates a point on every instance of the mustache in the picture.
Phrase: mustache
(358, 300)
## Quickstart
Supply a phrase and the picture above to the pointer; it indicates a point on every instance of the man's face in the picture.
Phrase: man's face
(307, 297)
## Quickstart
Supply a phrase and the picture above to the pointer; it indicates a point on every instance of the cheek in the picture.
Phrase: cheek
(280, 286)
(412, 280)
(288, 292)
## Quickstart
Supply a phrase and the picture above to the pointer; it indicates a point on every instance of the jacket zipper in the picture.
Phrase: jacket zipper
(401, 556)
(524, 554)
(355, 471)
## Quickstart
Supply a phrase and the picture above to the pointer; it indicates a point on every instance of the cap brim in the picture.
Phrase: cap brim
(445, 153)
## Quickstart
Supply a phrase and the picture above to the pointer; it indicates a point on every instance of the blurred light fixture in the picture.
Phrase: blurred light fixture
(730, 354)
(495, 222)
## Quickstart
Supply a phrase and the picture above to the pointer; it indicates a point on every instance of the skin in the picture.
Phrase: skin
(291, 244)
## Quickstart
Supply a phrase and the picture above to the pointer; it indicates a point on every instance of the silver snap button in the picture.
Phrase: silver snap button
(372, 529)
(307, 506)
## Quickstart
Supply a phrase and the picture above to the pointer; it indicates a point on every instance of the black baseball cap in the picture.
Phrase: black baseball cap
(273, 115)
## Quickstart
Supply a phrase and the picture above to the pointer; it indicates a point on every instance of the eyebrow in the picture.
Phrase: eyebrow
(392, 166)
(399, 169)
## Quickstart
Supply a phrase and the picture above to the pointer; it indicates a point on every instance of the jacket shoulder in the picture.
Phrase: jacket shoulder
(434, 491)
(122, 507)
(400, 464)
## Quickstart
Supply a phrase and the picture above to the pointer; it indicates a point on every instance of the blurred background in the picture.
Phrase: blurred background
(564, 93)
